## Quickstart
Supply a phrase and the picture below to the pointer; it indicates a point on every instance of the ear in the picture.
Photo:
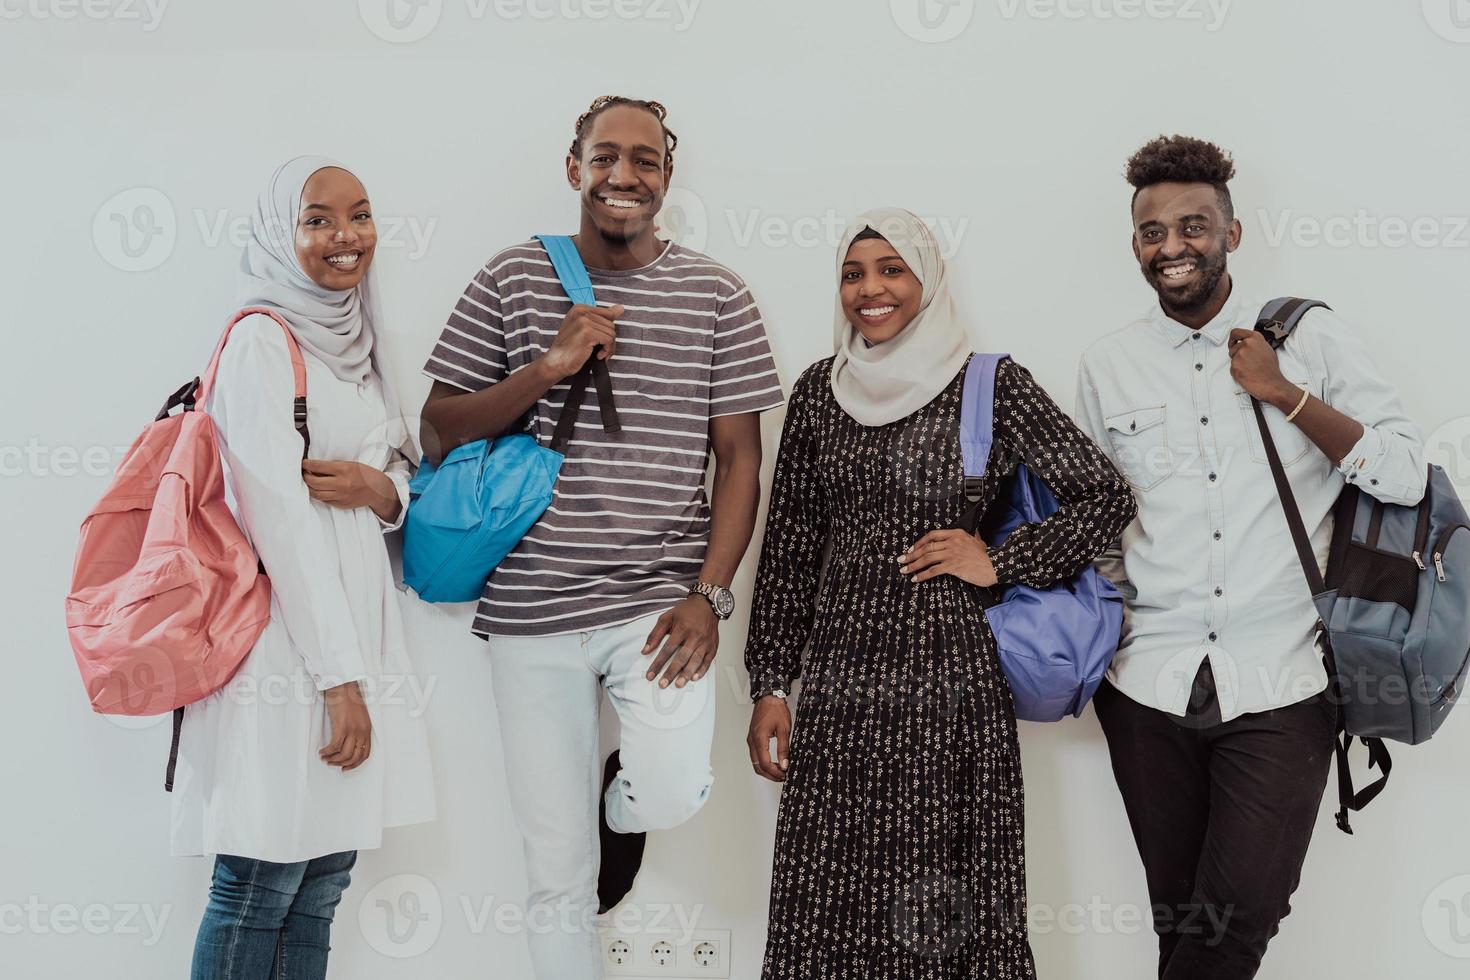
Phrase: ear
(668, 170)
(1232, 237)
(574, 172)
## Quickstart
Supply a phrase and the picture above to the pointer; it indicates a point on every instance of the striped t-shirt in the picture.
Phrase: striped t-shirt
(626, 532)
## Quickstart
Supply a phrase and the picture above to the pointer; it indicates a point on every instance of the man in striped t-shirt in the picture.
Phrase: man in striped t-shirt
(624, 579)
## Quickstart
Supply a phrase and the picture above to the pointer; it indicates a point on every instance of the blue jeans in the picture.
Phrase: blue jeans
(269, 921)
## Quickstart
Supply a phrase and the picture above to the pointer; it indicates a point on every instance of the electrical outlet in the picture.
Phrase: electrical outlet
(709, 953)
(616, 951)
(706, 955)
(650, 955)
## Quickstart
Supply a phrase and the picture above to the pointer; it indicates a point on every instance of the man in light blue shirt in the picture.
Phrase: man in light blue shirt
(1216, 711)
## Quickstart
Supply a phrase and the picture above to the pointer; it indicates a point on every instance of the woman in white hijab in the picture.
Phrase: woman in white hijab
(317, 743)
(900, 838)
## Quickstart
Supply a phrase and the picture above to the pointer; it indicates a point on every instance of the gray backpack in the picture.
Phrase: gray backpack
(1395, 605)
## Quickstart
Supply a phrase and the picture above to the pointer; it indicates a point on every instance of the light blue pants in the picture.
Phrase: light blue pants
(547, 694)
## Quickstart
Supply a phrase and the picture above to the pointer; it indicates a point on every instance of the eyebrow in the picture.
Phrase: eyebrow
(1156, 223)
(881, 258)
(323, 207)
(639, 147)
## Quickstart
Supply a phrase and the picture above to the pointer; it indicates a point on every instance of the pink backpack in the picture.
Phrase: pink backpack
(167, 595)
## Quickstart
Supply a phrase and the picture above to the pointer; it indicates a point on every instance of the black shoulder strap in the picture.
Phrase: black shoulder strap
(594, 372)
(1277, 320)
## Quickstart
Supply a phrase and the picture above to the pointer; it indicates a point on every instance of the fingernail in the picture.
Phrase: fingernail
(664, 682)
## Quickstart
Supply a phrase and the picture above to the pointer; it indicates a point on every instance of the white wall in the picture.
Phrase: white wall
(793, 116)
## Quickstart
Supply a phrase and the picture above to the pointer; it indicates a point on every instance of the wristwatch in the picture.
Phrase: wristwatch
(721, 599)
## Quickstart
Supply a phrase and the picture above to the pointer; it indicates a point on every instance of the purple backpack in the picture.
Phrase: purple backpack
(1056, 643)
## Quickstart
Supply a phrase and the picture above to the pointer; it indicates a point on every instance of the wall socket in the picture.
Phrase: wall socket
(666, 954)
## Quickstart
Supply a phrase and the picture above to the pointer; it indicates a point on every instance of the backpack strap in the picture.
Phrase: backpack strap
(977, 427)
(977, 413)
(194, 393)
(298, 370)
(574, 280)
(1276, 322)
(1279, 317)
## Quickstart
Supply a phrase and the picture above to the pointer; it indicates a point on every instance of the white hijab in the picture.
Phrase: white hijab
(885, 382)
(338, 326)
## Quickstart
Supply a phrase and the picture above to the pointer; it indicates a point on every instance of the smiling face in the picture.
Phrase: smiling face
(1181, 237)
(880, 293)
(622, 173)
(335, 236)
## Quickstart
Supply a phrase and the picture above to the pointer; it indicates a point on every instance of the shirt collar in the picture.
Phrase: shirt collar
(1217, 331)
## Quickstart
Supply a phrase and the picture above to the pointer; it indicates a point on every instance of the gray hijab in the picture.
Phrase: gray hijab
(336, 325)
(883, 383)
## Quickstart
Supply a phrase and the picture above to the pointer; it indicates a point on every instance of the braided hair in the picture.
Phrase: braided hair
(603, 102)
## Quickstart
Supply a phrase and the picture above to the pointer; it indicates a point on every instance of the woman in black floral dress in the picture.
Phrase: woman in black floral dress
(900, 839)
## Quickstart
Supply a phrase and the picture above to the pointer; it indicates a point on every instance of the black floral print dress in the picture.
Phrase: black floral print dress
(900, 838)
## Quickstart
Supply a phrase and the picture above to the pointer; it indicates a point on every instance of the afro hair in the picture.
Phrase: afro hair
(1184, 160)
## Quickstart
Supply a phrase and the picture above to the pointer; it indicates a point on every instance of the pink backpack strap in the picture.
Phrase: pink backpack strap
(298, 368)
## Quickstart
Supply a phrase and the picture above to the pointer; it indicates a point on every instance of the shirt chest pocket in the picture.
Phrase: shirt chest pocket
(1291, 443)
(1140, 444)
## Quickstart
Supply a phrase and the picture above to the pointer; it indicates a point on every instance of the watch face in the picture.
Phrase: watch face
(724, 602)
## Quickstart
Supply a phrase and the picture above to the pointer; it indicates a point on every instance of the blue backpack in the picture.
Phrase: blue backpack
(468, 512)
(1056, 643)
(1394, 605)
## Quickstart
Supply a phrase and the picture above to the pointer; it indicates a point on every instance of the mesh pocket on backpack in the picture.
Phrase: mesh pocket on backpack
(1377, 576)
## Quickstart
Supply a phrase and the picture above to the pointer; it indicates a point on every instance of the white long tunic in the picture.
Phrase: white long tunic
(249, 780)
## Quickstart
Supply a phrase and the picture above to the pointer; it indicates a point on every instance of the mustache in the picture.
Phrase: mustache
(1158, 264)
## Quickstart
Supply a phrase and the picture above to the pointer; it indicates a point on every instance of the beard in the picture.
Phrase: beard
(1211, 269)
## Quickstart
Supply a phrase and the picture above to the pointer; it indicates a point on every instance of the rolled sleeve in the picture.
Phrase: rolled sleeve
(397, 471)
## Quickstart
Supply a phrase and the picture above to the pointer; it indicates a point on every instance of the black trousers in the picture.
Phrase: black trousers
(1222, 814)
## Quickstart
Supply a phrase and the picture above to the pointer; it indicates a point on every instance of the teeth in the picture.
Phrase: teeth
(348, 259)
(619, 203)
(877, 310)
(1179, 271)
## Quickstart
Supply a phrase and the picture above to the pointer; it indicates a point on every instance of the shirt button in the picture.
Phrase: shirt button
(1217, 535)
(1374, 482)
(1213, 637)
(1204, 420)
(1196, 336)
(1219, 591)
(1199, 367)
(1212, 478)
